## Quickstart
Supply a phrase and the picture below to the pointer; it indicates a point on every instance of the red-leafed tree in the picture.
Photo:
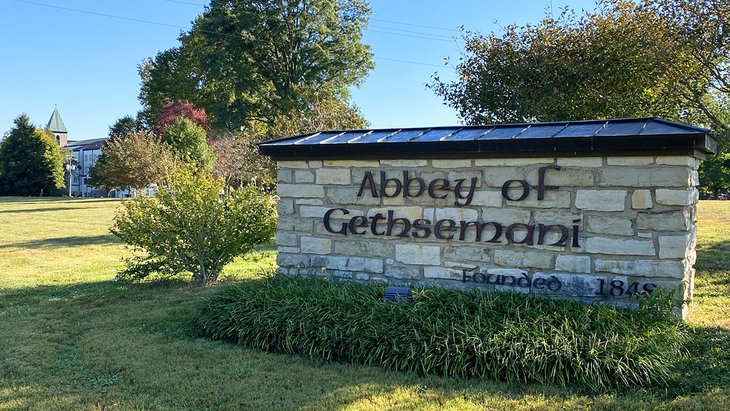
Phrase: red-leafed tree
(174, 110)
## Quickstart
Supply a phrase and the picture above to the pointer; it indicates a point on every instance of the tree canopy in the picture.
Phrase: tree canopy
(126, 125)
(248, 61)
(666, 58)
(170, 112)
(135, 161)
(31, 162)
(663, 58)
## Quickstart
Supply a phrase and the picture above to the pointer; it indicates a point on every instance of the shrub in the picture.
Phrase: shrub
(188, 141)
(466, 334)
(135, 160)
(190, 227)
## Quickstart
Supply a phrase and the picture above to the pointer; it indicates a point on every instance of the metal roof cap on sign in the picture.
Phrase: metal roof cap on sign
(629, 136)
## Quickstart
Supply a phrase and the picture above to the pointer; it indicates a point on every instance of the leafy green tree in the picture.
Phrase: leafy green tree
(665, 58)
(190, 227)
(715, 170)
(715, 173)
(126, 125)
(248, 61)
(700, 59)
(321, 114)
(135, 161)
(31, 162)
(188, 140)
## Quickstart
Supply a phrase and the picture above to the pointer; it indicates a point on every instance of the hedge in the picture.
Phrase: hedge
(500, 336)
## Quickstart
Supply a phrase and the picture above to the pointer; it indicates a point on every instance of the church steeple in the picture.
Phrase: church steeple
(55, 125)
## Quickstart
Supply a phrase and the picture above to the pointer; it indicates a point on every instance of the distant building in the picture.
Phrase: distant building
(55, 125)
(84, 153)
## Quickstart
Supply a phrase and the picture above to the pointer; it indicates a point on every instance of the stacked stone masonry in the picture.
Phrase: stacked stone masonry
(634, 216)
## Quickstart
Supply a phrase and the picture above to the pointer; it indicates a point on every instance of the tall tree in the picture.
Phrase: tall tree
(701, 57)
(126, 125)
(248, 61)
(31, 162)
(715, 170)
(715, 174)
(665, 58)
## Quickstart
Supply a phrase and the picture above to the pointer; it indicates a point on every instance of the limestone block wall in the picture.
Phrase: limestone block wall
(581, 228)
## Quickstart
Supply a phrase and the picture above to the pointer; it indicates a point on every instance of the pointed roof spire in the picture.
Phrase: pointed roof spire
(55, 124)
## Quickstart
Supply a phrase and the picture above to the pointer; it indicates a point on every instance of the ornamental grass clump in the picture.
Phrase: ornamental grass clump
(193, 225)
(499, 336)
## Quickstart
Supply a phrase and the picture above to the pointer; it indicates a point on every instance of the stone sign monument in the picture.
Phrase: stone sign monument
(585, 210)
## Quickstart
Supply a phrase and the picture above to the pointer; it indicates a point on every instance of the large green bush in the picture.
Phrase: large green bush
(188, 141)
(191, 226)
(476, 334)
(134, 160)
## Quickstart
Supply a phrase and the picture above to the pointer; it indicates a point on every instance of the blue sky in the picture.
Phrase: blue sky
(71, 53)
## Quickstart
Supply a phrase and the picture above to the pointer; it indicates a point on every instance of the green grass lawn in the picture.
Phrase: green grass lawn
(71, 337)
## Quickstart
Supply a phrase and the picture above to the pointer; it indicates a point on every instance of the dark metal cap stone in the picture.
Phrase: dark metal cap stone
(626, 137)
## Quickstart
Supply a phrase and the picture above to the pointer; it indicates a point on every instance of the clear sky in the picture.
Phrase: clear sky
(82, 55)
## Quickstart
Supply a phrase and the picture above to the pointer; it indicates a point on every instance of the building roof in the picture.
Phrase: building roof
(91, 144)
(55, 123)
(631, 136)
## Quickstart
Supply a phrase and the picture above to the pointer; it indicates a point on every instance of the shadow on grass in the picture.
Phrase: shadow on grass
(708, 364)
(71, 241)
(713, 257)
(133, 344)
(41, 210)
(71, 293)
(37, 200)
